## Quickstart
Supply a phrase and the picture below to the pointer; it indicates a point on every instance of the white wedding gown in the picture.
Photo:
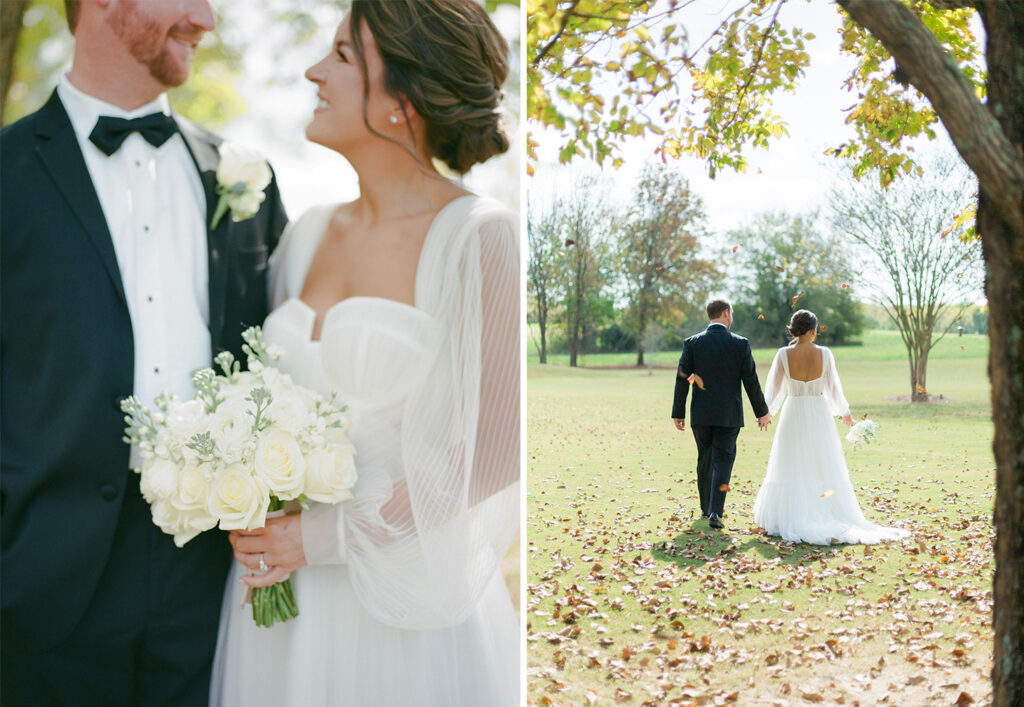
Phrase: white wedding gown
(806, 495)
(403, 601)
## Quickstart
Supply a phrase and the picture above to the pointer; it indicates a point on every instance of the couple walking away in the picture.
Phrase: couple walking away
(806, 495)
(119, 279)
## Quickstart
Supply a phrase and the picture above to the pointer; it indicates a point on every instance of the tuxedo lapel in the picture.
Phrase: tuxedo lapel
(58, 148)
(203, 148)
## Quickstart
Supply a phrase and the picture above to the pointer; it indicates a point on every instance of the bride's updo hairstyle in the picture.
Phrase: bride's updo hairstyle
(802, 322)
(448, 60)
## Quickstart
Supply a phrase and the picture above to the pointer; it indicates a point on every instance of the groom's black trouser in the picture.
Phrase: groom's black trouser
(716, 452)
(148, 635)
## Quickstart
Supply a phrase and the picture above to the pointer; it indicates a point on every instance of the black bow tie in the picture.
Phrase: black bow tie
(110, 132)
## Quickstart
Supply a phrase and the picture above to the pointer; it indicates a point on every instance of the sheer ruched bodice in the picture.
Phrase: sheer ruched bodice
(402, 601)
(806, 495)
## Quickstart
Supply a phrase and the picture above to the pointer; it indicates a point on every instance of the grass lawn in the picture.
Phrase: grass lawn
(632, 599)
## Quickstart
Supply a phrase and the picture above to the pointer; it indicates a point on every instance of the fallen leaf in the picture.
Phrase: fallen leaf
(963, 699)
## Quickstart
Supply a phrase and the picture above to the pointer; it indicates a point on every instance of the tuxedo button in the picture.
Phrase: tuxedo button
(108, 492)
(117, 400)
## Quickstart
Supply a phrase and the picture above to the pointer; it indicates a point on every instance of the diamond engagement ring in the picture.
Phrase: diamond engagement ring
(263, 565)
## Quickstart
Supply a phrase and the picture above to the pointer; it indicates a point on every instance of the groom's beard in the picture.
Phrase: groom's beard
(147, 42)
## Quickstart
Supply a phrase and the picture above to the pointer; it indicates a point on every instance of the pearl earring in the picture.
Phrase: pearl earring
(393, 119)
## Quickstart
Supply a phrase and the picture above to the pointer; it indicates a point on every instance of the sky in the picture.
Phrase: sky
(793, 174)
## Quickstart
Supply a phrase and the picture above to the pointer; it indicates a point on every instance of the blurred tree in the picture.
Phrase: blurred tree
(929, 272)
(583, 261)
(659, 245)
(788, 264)
(543, 232)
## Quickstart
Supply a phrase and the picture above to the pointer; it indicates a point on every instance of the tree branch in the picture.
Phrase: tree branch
(977, 135)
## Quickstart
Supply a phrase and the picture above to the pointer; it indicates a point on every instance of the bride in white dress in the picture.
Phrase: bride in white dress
(806, 495)
(405, 302)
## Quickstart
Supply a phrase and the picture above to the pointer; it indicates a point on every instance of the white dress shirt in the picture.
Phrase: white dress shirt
(155, 209)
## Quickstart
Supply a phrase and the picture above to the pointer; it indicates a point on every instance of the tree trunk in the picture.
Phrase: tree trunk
(990, 138)
(919, 377)
(542, 324)
(11, 14)
(543, 342)
(639, 354)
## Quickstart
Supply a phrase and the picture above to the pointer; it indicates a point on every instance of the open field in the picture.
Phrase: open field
(632, 599)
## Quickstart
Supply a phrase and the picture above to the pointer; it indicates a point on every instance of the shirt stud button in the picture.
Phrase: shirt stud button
(108, 492)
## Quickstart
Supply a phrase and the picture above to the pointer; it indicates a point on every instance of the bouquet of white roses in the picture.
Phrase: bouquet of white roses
(863, 432)
(248, 442)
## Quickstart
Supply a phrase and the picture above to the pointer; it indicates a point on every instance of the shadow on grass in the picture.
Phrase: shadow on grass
(700, 545)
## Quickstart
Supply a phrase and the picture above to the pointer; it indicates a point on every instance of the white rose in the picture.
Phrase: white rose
(245, 205)
(279, 463)
(193, 490)
(239, 164)
(231, 427)
(175, 522)
(291, 413)
(185, 419)
(159, 479)
(330, 473)
(237, 500)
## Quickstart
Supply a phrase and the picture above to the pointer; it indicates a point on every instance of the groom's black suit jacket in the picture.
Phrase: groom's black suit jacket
(723, 360)
(66, 355)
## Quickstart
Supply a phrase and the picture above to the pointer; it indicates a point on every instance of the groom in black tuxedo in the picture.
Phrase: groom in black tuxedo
(112, 283)
(719, 361)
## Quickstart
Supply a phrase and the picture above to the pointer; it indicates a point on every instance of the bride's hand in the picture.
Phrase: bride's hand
(280, 543)
(848, 420)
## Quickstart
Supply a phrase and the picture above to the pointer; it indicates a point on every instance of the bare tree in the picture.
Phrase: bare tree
(659, 244)
(585, 226)
(542, 233)
(929, 271)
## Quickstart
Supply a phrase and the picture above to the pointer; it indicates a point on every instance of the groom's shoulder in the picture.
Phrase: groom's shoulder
(198, 131)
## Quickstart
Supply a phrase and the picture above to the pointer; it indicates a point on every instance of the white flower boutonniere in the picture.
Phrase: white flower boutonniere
(242, 176)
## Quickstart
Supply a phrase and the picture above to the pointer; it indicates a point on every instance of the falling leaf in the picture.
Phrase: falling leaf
(843, 286)
(723, 488)
(920, 388)
(959, 275)
(796, 298)
(735, 248)
(962, 348)
(822, 329)
(695, 379)
(864, 416)
(779, 268)
(760, 316)
(828, 493)
(569, 242)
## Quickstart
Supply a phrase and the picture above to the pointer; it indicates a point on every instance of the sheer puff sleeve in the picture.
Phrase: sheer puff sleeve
(422, 548)
(775, 385)
(833, 390)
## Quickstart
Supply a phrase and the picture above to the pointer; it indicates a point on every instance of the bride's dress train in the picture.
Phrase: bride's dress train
(806, 495)
(403, 601)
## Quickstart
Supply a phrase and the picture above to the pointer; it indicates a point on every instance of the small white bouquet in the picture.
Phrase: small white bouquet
(864, 432)
(248, 442)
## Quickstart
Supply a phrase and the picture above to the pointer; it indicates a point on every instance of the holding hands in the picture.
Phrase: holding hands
(764, 421)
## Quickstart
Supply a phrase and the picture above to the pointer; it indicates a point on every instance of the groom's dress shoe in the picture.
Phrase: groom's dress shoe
(715, 522)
